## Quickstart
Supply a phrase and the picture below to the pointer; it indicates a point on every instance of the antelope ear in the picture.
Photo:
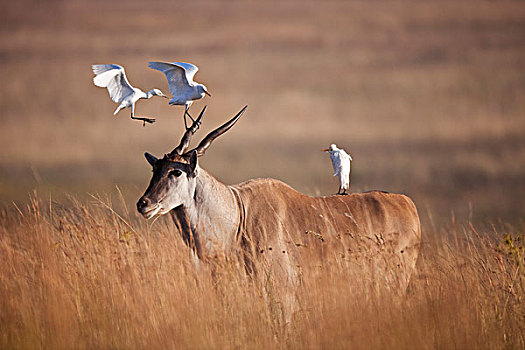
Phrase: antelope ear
(193, 166)
(150, 158)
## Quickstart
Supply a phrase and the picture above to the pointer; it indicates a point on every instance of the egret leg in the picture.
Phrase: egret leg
(184, 117)
(188, 113)
(144, 119)
(185, 122)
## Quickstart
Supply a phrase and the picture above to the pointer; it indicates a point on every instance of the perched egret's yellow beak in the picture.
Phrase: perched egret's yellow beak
(325, 150)
(207, 93)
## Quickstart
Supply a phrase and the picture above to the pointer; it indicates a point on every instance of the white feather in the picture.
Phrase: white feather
(180, 80)
(113, 77)
(341, 162)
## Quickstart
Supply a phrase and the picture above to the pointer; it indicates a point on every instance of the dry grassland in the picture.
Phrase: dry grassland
(83, 276)
(428, 97)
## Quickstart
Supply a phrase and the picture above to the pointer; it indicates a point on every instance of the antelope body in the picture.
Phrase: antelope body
(267, 225)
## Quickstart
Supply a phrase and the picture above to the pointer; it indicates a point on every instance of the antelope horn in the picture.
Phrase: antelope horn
(206, 142)
(186, 138)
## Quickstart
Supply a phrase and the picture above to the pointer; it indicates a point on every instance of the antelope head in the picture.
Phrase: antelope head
(175, 175)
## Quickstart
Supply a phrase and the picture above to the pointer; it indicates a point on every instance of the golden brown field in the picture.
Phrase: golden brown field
(428, 97)
(84, 276)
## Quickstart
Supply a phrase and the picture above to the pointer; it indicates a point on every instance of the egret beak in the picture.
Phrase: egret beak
(164, 96)
(207, 93)
(325, 150)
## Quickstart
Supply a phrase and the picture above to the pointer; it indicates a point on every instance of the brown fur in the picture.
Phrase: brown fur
(277, 231)
(372, 232)
(279, 234)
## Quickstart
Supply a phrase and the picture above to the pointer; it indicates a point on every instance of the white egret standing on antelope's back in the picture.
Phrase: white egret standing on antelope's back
(113, 77)
(182, 87)
(342, 163)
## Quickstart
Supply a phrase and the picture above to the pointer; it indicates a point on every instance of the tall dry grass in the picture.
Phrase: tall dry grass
(93, 275)
(427, 96)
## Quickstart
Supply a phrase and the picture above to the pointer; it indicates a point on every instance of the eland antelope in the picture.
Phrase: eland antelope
(277, 232)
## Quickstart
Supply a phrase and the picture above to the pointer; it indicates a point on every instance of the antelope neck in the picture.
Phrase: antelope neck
(214, 214)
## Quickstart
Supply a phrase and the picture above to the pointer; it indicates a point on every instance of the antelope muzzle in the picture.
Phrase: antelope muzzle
(147, 208)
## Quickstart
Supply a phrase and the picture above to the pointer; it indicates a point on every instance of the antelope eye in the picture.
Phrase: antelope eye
(175, 172)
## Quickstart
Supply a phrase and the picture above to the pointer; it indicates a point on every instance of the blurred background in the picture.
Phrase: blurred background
(428, 97)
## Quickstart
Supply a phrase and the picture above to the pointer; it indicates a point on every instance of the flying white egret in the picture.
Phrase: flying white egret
(113, 77)
(182, 87)
(342, 163)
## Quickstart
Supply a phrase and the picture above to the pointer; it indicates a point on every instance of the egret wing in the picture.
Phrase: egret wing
(102, 68)
(113, 77)
(345, 164)
(190, 69)
(345, 155)
(336, 162)
(175, 74)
